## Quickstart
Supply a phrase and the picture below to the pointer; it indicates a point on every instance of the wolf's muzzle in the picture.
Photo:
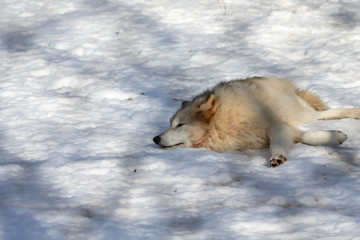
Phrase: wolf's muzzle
(157, 139)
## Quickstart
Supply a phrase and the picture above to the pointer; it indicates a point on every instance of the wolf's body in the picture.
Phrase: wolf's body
(251, 114)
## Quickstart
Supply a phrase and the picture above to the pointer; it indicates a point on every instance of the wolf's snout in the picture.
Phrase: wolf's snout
(157, 139)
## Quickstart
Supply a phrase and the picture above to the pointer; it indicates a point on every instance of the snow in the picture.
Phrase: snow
(86, 85)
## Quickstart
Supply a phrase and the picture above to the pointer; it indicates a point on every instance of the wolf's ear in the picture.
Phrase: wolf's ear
(207, 109)
(184, 103)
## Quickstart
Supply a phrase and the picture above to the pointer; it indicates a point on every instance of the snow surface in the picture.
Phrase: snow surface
(86, 84)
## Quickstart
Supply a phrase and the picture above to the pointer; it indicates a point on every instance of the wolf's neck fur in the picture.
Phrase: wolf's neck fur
(229, 132)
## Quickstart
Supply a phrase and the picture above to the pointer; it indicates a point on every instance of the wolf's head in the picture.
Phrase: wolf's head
(190, 124)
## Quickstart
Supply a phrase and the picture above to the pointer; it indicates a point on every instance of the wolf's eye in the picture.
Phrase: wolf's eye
(180, 124)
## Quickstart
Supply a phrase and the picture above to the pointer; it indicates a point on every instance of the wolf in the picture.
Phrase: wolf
(253, 113)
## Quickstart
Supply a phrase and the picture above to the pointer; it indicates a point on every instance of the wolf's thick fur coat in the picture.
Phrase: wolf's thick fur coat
(253, 113)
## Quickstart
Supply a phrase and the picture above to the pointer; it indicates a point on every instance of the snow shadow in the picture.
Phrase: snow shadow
(31, 206)
(345, 19)
(23, 197)
(19, 40)
(349, 155)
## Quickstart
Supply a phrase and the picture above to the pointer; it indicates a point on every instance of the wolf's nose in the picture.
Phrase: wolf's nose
(157, 139)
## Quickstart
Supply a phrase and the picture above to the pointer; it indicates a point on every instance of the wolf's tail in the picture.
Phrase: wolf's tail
(312, 99)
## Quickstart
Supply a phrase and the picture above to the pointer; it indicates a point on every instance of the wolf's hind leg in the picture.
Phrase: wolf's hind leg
(338, 114)
(330, 114)
(318, 138)
(281, 140)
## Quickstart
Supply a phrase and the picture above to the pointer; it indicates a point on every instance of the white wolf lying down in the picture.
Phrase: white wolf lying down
(251, 114)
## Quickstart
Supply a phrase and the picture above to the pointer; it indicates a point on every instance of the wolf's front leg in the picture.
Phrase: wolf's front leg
(281, 140)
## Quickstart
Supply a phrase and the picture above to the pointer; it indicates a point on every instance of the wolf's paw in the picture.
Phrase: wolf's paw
(277, 161)
(341, 137)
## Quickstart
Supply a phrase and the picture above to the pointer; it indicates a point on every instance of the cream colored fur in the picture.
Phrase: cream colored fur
(253, 113)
